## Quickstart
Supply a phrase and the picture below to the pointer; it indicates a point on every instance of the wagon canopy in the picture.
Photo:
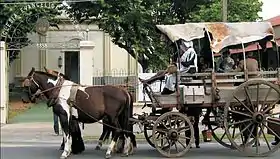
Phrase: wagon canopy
(224, 34)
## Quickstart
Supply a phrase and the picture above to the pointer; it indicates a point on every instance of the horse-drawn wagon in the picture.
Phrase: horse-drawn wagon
(245, 113)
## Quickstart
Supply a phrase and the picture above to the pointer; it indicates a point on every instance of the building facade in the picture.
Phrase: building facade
(60, 50)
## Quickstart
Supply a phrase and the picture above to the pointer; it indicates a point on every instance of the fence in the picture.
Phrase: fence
(117, 77)
(128, 81)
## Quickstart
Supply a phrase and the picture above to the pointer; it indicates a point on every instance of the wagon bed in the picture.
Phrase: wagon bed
(245, 105)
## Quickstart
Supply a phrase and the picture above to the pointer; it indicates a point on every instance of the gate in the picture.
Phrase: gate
(33, 28)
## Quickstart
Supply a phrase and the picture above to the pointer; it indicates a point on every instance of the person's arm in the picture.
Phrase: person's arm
(239, 67)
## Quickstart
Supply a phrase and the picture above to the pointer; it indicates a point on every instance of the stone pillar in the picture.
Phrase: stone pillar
(4, 86)
(42, 52)
(85, 62)
(107, 59)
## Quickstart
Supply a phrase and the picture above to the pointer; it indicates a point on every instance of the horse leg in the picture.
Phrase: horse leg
(78, 145)
(114, 140)
(128, 148)
(62, 144)
(64, 116)
(101, 138)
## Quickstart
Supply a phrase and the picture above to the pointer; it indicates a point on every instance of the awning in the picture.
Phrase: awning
(252, 47)
(224, 34)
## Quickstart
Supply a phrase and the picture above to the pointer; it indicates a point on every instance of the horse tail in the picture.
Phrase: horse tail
(130, 124)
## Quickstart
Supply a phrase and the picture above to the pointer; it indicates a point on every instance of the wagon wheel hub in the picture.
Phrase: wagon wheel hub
(172, 134)
(258, 117)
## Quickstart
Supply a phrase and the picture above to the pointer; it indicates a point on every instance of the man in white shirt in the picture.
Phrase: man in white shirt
(188, 58)
(188, 64)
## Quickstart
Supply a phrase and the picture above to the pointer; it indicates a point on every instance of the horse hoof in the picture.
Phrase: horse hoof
(108, 156)
(124, 155)
(62, 157)
(97, 148)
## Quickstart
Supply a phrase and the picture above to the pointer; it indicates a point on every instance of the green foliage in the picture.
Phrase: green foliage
(23, 24)
(238, 11)
(132, 23)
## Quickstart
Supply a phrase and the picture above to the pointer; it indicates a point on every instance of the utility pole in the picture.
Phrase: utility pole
(224, 10)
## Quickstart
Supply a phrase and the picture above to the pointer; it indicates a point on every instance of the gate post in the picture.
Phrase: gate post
(4, 95)
(86, 62)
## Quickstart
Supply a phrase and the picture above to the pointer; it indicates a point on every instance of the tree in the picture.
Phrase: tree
(23, 24)
(238, 11)
(132, 23)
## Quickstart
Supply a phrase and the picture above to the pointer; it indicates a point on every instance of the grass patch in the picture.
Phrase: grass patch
(16, 107)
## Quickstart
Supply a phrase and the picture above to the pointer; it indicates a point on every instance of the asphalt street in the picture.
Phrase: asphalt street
(37, 150)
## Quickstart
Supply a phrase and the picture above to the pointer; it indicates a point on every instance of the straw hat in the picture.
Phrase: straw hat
(171, 69)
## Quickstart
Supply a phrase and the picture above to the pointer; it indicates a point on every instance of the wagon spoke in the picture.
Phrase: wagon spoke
(247, 94)
(241, 132)
(273, 114)
(265, 138)
(240, 113)
(183, 129)
(215, 128)
(223, 135)
(250, 134)
(258, 91)
(181, 144)
(161, 131)
(170, 145)
(184, 137)
(274, 122)
(240, 122)
(270, 106)
(169, 122)
(257, 140)
(176, 147)
(233, 132)
(176, 120)
(243, 104)
(158, 135)
(161, 138)
(274, 133)
(264, 102)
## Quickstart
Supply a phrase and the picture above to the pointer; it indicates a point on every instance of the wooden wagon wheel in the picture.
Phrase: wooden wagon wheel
(218, 132)
(149, 136)
(252, 106)
(177, 134)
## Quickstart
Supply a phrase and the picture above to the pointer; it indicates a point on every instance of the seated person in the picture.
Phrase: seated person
(251, 65)
(225, 62)
(188, 64)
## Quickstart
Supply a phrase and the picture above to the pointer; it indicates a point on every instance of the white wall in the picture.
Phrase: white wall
(30, 56)
(3, 84)
(68, 32)
(98, 39)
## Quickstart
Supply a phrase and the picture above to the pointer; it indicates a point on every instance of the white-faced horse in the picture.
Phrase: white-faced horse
(85, 104)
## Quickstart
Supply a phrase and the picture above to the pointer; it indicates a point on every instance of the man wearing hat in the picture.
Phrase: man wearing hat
(188, 64)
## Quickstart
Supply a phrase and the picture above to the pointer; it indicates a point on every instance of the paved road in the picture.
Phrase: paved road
(49, 151)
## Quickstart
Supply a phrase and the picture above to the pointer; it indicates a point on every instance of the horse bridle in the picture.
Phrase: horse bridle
(28, 80)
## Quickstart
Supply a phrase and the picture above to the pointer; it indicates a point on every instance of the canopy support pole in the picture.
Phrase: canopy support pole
(244, 59)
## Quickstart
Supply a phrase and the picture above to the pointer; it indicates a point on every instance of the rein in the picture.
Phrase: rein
(59, 86)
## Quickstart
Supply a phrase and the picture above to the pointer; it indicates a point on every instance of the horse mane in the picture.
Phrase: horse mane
(47, 74)
(61, 74)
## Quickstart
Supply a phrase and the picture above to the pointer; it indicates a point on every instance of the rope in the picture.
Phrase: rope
(102, 123)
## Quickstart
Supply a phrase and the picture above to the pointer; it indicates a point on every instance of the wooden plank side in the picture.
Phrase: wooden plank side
(225, 93)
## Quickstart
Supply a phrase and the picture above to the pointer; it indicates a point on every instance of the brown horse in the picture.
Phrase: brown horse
(106, 132)
(84, 104)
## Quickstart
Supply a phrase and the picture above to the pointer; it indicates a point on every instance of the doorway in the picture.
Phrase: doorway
(72, 65)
